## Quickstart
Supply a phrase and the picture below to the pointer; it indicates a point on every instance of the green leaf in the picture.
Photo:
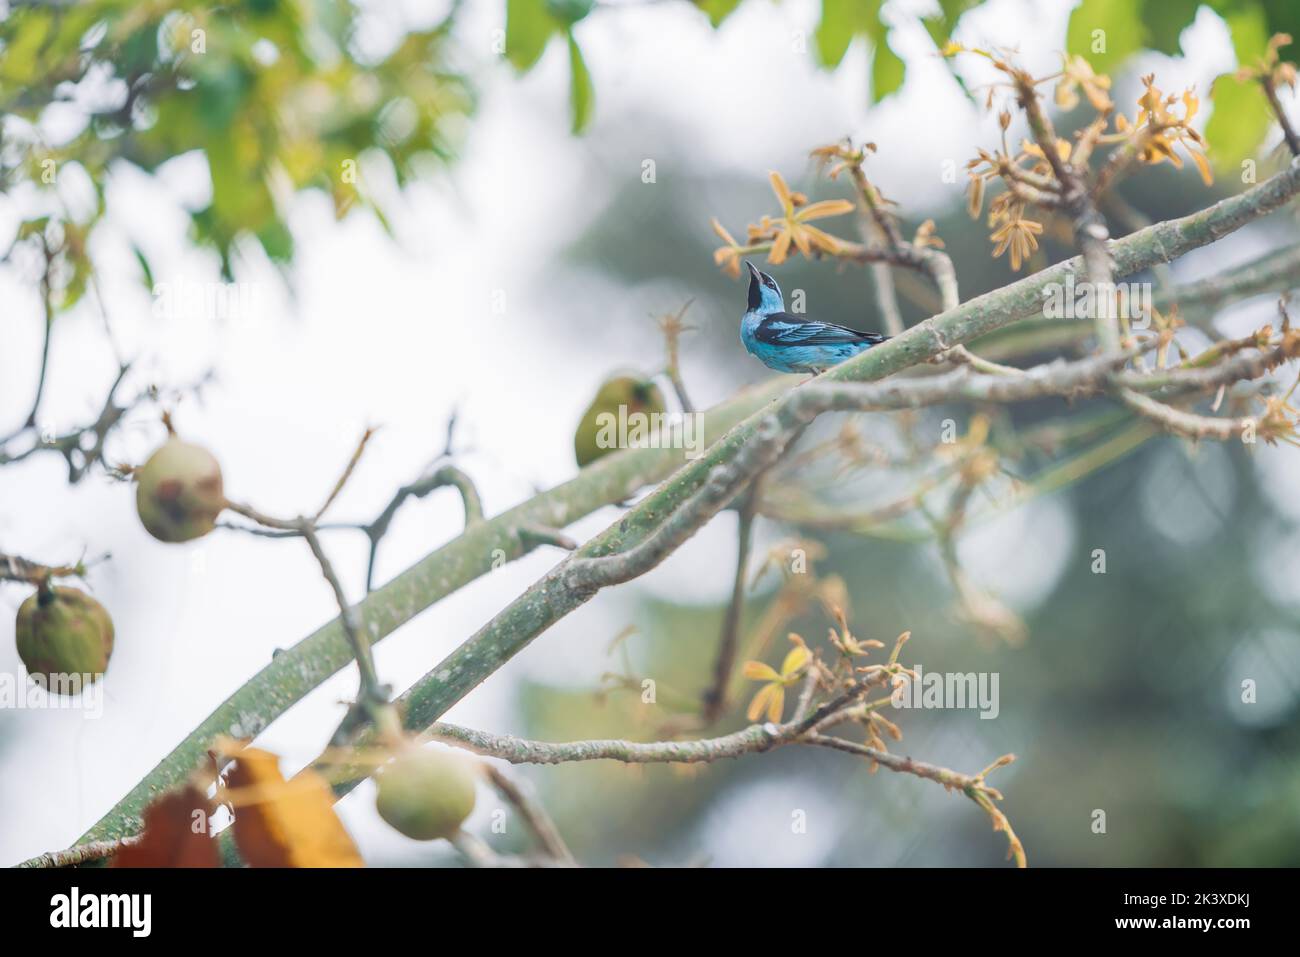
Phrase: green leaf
(26, 33)
(33, 227)
(582, 94)
(718, 10)
(1249, 34)
(841, 21)
(528, 28)
(1105, 32)
(942, 26)
(569, 11)
(1165, 20)
(1284, 17)
(277, 241)
(1238, 123)
(223, 92)
(835, 31)
(138, 53)
(145, 268)
(886, 71)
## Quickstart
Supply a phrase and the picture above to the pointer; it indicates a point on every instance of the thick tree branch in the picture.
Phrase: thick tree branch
(88, 853)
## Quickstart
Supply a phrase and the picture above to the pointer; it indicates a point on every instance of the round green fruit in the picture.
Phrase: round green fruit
(63, 632)
(621, 413)
(426, 793)
(569, 11)
(179, 492)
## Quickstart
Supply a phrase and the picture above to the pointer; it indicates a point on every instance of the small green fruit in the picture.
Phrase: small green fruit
(426, 793)
(569, 11)
(179, 492)
(599, 431)
(62, 632)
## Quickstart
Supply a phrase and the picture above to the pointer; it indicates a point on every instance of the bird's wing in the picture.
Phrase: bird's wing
(784, 329)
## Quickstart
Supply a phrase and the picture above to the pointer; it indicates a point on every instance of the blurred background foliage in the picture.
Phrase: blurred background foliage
(278, 95)
(281, 96)
(1125, 695)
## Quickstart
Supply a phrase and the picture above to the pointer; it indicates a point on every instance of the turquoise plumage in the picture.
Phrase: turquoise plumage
(790, 343)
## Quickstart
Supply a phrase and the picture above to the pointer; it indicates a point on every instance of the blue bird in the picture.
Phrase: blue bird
(789, 343)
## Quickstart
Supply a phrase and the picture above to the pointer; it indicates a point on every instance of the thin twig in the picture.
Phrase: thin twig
(347, 474)
(447, 475)
(672, 327)
(534, 815)
(1288, 131)
(714, 699)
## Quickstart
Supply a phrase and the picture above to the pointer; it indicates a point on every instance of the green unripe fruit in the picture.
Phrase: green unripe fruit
(426, 793)
(569, 11)
(602, 428)
(179, 492)
(62, 632)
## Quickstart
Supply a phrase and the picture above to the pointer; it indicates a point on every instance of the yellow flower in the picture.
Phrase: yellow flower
(926, 236)
(976, 437)
(728, 256)
(1158, 130)
(846, 641)
(793, 229)
(1016, 234)
(771, 697)
(1063, 149)
(1076, 74)
(975, 200)
(844, 156)
(1280, 420)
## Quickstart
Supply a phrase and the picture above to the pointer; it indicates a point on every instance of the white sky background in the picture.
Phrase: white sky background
(397, 334)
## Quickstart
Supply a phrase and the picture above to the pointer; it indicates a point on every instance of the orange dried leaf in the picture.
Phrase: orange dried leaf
(175, 833)
(281, 823)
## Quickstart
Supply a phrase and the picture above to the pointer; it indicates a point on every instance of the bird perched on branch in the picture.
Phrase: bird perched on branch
(789, 343)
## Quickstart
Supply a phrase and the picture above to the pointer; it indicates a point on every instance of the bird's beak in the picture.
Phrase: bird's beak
(752, 271)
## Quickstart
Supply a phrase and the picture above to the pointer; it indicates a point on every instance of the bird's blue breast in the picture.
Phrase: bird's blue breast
(796, 346)
(804, 358)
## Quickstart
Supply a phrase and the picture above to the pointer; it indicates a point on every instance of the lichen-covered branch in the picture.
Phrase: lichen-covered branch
(89, 853)
(754, 739)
